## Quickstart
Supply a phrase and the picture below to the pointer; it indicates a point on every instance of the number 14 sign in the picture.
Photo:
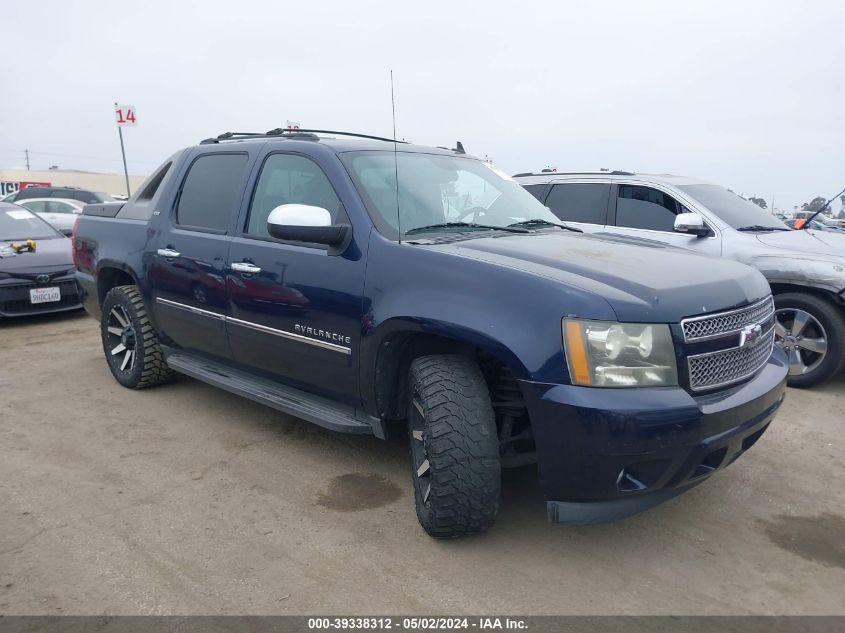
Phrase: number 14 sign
(125, 115)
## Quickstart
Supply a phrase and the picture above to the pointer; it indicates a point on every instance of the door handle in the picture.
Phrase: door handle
(245, 267)
(168, 252)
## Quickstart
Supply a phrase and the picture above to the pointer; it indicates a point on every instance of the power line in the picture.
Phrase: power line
(27, 152)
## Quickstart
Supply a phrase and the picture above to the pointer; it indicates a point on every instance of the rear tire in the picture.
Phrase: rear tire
(454, 447)
(130, 343)
(811, 331)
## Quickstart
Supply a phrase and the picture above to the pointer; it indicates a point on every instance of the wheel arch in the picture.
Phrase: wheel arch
(826, 359)
(399, 341)
(782, 287)
(113, 274)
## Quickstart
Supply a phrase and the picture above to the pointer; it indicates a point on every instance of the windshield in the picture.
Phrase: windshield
(438, 189)
(16, 223)
(733, 209)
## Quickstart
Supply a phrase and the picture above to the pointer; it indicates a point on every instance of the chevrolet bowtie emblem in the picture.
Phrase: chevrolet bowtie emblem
(749, 334)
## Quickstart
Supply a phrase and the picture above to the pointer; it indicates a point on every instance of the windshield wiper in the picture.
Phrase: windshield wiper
(760, 227)
(540, 222)
(468, 225)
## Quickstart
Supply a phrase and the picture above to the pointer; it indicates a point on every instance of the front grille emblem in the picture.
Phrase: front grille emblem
(42, 279)
(749, 334)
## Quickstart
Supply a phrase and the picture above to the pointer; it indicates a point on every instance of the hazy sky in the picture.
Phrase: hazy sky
(747, 94)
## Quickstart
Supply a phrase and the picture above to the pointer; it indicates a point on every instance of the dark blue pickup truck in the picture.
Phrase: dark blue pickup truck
(363, 284)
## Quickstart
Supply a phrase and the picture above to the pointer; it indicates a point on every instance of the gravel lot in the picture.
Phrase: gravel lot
(185, 500)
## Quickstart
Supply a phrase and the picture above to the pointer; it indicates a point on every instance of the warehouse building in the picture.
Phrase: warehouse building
(12, 180)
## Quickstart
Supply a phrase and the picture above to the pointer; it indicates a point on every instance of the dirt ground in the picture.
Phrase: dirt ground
(187, 500)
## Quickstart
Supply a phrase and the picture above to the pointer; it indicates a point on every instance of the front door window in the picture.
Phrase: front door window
(639, 207)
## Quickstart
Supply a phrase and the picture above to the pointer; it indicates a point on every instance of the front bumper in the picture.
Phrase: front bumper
(604, 454)
(14, 297)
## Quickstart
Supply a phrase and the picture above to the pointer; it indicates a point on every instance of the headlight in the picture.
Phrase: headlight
(609, 354)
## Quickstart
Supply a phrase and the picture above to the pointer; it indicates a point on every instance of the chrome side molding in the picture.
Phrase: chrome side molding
(334, 347)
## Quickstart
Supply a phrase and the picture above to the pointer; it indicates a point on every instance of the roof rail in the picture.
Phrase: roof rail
(616, 172)
(289, 133)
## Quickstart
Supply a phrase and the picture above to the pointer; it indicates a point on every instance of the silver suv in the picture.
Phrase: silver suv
(806, 268)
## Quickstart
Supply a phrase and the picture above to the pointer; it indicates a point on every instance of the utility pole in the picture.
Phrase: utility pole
(27, 159)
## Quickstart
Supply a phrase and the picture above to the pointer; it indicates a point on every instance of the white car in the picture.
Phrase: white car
(60, 213)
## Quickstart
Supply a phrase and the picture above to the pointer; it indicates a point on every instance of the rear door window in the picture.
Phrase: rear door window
(36, 206)
(32, 192)
(580, 202)
(210, 192)
(54, 206)
(639, 207)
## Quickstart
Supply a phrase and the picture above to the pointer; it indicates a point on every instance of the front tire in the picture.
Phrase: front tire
(130, 343)
(812, 333)
(454, 447)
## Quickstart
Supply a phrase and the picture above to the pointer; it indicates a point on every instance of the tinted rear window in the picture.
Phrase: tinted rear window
(580, 202)
(152, 184)
(33, 192)
(210, 191)
(88, 197)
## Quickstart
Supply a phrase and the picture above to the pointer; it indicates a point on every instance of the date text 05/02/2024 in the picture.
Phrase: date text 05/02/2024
(418, 623)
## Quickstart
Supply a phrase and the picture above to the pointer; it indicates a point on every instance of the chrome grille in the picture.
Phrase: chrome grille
(717, 369)
(704, 327)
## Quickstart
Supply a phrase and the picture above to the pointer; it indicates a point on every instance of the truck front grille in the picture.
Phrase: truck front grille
(698, 328)
(736, 344)
(717, 369)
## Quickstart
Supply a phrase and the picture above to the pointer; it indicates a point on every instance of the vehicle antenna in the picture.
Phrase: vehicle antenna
(823, 207)
(395, 159)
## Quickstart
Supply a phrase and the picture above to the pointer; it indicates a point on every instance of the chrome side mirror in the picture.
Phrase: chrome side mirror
(306, 223)
(691, 224)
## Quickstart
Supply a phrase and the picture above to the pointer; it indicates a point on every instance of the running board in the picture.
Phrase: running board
(320, 411)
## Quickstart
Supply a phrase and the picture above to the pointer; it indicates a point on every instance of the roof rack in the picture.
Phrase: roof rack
(290, 133)
(615, 172)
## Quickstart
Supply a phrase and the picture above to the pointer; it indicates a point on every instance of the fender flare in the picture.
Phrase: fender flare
(376, 359)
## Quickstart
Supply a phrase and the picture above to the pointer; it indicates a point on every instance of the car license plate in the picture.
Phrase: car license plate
(44, 295)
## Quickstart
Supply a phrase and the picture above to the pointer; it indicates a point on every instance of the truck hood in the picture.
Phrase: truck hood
(642, 281)
(808, 242)
(50, 256)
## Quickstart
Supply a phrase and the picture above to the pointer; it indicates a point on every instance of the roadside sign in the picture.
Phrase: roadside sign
(8, 187)
(293, 125)
(125, 115)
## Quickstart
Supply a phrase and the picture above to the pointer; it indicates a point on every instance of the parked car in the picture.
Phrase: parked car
(293, 269)
(815, 225)
(806, 269)
(72, 193)
(60, 213)
(36, 267)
